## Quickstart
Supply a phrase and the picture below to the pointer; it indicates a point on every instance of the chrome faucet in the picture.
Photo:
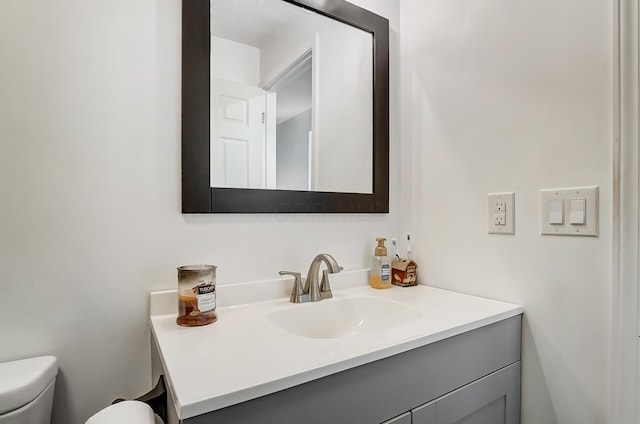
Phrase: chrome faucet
(312, 291)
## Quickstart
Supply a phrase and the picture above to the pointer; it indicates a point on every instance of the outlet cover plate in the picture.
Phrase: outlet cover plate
(589, 228)
(501, 213)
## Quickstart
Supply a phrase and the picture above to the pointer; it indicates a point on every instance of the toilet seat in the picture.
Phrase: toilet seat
(128, 411)
(24, 380)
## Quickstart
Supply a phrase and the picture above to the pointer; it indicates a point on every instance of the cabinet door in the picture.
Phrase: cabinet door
(401, 419)
(494, 399)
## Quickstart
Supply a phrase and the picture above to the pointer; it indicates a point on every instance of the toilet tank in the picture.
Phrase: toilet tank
(26, 390)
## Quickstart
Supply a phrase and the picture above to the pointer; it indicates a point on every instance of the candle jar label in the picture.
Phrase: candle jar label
(206, 298)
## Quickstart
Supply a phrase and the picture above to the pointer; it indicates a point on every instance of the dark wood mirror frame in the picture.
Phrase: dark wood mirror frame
(197, 194)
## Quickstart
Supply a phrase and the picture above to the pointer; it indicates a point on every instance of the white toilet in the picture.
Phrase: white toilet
(26, 396)
(26, 390)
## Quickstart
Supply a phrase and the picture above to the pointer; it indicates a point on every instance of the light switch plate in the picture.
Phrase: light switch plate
(501, 213)
(566, 228)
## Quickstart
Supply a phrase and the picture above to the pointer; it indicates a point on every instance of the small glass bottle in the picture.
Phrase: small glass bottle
(196, 295)
(380, 274)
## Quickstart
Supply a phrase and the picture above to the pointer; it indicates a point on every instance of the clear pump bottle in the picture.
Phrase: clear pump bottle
(380, 274)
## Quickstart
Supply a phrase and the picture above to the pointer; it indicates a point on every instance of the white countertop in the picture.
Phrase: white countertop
(243, 355)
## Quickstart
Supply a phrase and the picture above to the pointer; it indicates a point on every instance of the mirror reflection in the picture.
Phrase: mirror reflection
(291, 99)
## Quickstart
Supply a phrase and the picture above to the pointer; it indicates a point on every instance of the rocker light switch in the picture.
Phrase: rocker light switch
(569, 211)
(578, 208)
(556, 211)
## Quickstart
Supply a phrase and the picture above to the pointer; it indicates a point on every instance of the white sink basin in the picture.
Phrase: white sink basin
(332, 318)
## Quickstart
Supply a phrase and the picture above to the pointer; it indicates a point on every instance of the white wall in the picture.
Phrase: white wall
(498, 95)
(233, 61)
(287, 45)
(90, 216)
(341, 134)
(516, 96)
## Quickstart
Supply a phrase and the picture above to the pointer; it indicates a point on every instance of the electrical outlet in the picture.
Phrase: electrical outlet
(501, 213)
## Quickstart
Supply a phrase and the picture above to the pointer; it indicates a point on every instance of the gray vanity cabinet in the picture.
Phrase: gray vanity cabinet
(494, 399)
(469, 378)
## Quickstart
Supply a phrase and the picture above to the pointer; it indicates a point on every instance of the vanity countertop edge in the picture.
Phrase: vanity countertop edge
(242, 356)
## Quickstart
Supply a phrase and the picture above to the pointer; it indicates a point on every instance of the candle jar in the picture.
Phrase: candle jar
(196, 295)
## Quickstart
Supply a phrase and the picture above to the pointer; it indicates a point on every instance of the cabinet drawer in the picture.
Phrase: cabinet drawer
(494, 399)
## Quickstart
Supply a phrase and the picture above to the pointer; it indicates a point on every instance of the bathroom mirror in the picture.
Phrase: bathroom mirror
(284, 107)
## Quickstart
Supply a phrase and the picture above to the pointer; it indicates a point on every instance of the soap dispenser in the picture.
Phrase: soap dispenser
(380, 274)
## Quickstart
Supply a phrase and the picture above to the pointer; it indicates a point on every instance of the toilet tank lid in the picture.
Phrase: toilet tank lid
(23, 380)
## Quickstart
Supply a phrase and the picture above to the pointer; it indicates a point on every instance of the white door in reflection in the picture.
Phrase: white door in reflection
(237, 135)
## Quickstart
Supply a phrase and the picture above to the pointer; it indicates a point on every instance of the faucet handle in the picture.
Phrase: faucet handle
(297, 292)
